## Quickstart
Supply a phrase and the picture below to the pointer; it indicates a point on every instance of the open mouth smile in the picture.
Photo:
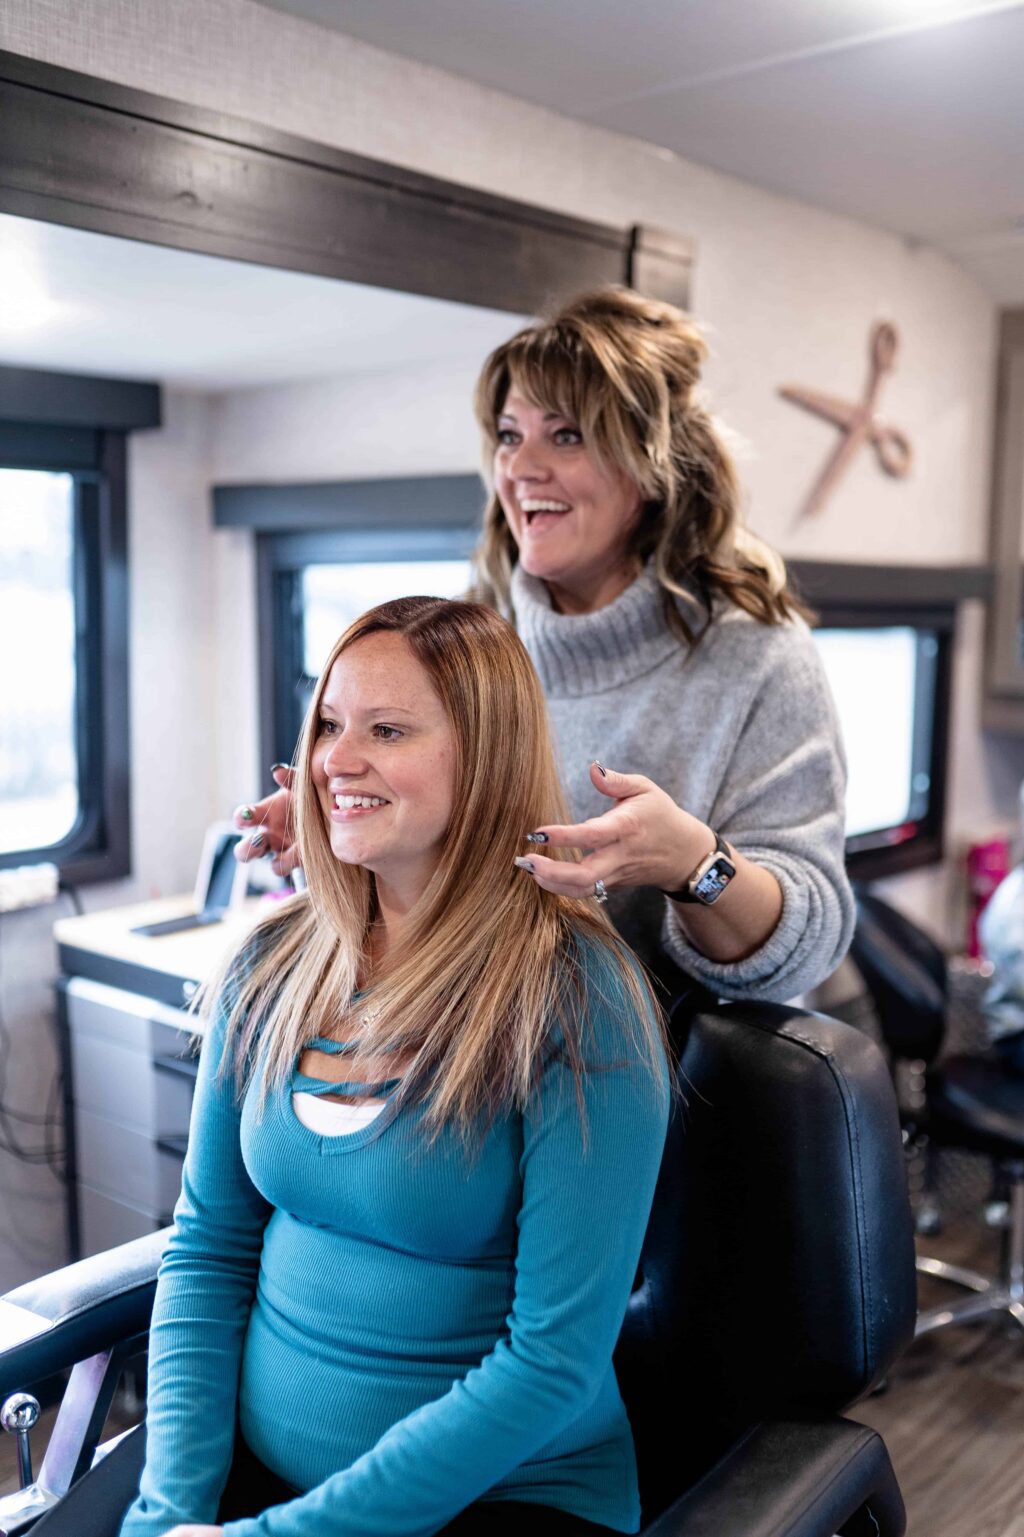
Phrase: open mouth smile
(347, 808)
(540, 514)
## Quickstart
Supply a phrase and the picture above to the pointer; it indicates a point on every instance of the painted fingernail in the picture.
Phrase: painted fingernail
(537, 838)
(601, 766)
(257, 840)
(244, 813)
(275, 766)
(524, 864)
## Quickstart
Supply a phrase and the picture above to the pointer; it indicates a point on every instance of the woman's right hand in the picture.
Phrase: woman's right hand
(268, 824)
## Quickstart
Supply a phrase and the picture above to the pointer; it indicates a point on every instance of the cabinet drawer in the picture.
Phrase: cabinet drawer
(123, 1083)
(126, 1164)
(117, 1015)
(115, 1037)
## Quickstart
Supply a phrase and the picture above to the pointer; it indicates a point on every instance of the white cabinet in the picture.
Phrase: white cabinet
(132, 1075)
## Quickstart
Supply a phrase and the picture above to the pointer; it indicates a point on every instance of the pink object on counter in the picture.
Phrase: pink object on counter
(987, 864)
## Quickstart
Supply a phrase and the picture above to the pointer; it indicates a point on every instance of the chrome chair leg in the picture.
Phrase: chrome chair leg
(1001, 1294)
(956, 1275)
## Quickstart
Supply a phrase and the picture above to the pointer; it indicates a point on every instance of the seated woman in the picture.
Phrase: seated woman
(391, 1315)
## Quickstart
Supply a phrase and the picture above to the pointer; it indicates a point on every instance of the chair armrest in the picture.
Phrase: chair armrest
(73, 1313)
(792, 1479)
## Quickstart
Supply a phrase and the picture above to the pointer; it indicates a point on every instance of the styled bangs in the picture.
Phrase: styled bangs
(548, 367)
(556, 370)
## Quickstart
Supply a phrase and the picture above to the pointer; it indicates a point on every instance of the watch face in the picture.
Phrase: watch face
(714, 880)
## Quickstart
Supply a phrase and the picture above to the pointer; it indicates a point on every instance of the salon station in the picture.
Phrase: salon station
(272, 272)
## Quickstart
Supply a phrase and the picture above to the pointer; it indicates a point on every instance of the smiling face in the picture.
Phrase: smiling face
(570, 516)
(383, 764)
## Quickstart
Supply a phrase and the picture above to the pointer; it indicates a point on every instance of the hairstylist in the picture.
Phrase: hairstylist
(676, 663)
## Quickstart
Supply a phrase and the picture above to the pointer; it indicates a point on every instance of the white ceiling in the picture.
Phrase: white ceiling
(906, 113)
(74, 300)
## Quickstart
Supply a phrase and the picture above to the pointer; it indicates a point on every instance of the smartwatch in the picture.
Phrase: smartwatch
(710, 878)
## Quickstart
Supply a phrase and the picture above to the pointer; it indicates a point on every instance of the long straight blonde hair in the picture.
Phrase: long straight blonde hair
(626, 370)
(491, 972)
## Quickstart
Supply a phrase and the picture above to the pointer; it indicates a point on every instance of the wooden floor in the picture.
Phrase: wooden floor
(952, 1414)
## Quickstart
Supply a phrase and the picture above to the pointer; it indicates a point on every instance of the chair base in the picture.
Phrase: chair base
(1001, 1294)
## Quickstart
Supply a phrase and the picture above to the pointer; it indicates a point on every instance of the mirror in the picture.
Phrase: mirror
(268, 377)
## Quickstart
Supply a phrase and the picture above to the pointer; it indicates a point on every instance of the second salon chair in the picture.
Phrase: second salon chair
(972, 1103)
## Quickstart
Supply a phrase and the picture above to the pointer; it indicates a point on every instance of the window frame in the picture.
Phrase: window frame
(98, 846)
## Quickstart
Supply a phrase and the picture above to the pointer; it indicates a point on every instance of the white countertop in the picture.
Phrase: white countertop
(191, 954)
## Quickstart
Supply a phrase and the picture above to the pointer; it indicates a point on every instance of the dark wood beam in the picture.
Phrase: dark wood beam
(104, 157)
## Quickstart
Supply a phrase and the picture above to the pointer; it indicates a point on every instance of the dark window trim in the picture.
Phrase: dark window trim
(105, 157)
(98, 846)
(1004, 659)
(410, 501)
(833, 583)
(78, 424)
(35, 395)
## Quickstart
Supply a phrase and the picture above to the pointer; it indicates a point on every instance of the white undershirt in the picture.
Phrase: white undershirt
(330, 1118)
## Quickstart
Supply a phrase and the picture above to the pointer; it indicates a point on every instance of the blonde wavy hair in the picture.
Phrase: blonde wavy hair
(491, 971)
(625, 370)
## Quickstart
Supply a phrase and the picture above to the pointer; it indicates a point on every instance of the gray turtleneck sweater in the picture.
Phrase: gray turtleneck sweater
(740, 730)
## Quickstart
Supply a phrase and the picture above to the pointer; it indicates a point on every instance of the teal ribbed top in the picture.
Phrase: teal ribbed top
(402, 1331)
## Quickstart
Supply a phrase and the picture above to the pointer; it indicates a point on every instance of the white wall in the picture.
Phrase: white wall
(174, 646)
(355, 426)
(787, 292)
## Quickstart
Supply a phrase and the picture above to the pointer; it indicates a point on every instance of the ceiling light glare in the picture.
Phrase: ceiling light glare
(26, 304)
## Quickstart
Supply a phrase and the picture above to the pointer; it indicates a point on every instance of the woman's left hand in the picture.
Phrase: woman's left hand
(644, 839)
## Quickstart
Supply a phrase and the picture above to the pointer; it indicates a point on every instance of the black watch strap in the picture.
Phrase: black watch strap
(686, 892)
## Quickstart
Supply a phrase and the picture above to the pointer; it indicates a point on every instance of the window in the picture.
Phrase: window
(889, 673)
(63, 634)
(39, 794)
(333, 596)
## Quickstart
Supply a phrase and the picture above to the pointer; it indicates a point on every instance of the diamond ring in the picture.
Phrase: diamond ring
(599, 892)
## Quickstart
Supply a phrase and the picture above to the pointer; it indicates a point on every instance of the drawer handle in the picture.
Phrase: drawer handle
(180, 1067)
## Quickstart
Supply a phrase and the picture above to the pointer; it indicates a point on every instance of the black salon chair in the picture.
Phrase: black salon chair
(785, 1164)
(971, 1102)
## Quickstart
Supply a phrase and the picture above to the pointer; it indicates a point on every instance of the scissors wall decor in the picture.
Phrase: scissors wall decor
(858, 422)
